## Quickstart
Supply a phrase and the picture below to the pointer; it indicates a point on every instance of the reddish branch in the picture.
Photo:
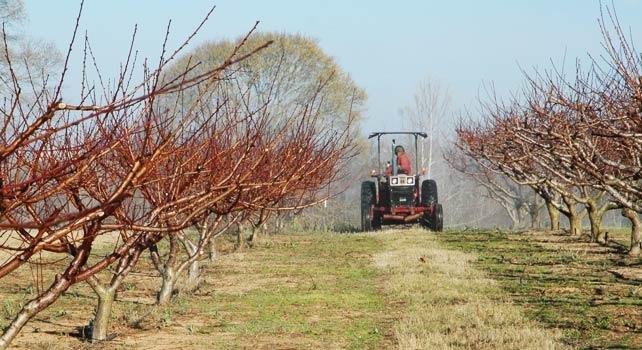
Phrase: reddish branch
(577, 138)
(144, 166)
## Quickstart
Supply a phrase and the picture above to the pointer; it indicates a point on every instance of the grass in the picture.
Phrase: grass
(394, 289)
(588, 291)
(306, 289)
(451, 305)
(317, 291)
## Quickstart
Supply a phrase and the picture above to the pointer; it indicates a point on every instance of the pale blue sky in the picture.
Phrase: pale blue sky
(387, 47)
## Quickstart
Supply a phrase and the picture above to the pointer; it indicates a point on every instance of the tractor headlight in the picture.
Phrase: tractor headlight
(410, 180)
(394, 181)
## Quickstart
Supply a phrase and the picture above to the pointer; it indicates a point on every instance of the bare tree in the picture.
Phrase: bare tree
(431, 102)
(572, 138)
(65, 177)
(145, 171)
(287, 74)
(517, 200)
(31, 60)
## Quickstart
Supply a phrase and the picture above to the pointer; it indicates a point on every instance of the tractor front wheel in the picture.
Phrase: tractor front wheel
(367, 201)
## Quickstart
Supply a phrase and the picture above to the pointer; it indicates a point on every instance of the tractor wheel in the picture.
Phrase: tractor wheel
(429, 198)
(367, 201)
(437, 219)
(429, 193)
(376, 221)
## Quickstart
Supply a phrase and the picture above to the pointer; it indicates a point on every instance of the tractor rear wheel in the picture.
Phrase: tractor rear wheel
(429, 199)
(367, 201)
(429, 193)
(437, 220)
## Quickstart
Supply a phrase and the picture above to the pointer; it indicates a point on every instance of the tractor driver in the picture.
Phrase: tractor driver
(403, 162)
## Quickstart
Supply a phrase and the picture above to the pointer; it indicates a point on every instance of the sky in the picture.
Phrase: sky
(387, 47)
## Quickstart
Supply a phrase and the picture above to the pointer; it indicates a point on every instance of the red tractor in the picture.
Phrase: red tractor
(395, 198)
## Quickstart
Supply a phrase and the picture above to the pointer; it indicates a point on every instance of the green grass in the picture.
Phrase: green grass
(396, 289)
(563, 283)
(298, 291)
(320, 286)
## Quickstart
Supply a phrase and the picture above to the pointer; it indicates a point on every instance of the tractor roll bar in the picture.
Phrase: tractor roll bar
(378, 135)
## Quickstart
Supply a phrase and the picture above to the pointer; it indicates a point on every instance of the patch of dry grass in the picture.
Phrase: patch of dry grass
(448, 304)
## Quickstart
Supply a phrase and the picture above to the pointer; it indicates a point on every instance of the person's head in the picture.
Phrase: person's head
(399, 149)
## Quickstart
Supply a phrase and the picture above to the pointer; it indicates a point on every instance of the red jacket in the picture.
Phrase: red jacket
(403, 161)
(403, 165)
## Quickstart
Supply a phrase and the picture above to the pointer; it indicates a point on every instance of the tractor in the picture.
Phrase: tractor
(396, 198)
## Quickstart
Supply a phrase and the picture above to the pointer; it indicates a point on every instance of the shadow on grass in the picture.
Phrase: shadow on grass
(590, 291)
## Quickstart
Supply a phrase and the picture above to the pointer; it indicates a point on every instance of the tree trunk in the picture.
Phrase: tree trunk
(575, 223)
(574, 218)
(61, 284)
(576, 226)
(103, 313)
(166, 269)
(212, 254)
(193, 276)
(534, 216)
(636, 233)
(595, 218)
(167, 287)
(107, 295)
(239, 239)
(513, 214)
(554, 215)
(253, 237)
(534, 207)
(33, 307)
